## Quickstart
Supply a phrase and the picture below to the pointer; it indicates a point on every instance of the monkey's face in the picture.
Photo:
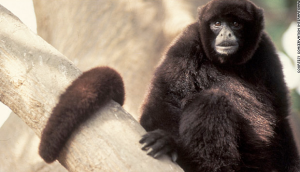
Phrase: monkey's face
(227, 37)
(230, 30)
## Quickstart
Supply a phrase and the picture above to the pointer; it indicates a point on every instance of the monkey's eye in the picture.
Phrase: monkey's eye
(217, 23)
(236, 24)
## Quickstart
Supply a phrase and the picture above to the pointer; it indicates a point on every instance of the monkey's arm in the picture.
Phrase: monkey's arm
(161, 112)
(160, 118)
(91, 91)
(171, 83)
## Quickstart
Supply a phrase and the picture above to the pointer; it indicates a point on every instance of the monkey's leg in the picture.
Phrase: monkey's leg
(209, 132)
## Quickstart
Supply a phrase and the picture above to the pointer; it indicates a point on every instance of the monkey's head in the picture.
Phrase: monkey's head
(230, 30)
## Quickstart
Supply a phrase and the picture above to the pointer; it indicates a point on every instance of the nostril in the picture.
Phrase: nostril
(229, 35)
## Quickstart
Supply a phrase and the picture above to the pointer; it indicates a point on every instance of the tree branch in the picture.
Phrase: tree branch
(32, 76)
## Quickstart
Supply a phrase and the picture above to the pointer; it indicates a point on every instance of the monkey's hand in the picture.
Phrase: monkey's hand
(159, 142)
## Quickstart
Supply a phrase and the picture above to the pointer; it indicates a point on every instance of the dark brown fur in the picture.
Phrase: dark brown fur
(91, 91)
(221, 116)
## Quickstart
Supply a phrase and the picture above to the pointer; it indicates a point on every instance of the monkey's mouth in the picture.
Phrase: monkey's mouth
(227, 44)
(226, 48)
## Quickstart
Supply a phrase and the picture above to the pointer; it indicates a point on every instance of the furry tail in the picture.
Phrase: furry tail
(91, 91)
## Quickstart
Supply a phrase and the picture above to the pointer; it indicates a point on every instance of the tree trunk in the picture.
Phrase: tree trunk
(32, 76)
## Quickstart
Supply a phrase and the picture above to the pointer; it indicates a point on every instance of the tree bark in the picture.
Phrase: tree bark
(32, 76)
(19, 149)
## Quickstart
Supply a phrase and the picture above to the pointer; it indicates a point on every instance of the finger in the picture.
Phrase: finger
(159, 148)
(161, 152)
(174, 156)
(145, 147)
(150, 152)
(144, 137)
(147, 142)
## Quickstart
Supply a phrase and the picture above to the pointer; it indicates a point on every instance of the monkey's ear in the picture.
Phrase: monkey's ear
(255, 11)
(260, 14)
(200, 9)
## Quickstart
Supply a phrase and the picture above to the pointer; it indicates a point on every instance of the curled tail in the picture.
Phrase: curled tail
(91, 91)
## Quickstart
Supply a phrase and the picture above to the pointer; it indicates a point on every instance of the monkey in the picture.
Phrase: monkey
(218, 101)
